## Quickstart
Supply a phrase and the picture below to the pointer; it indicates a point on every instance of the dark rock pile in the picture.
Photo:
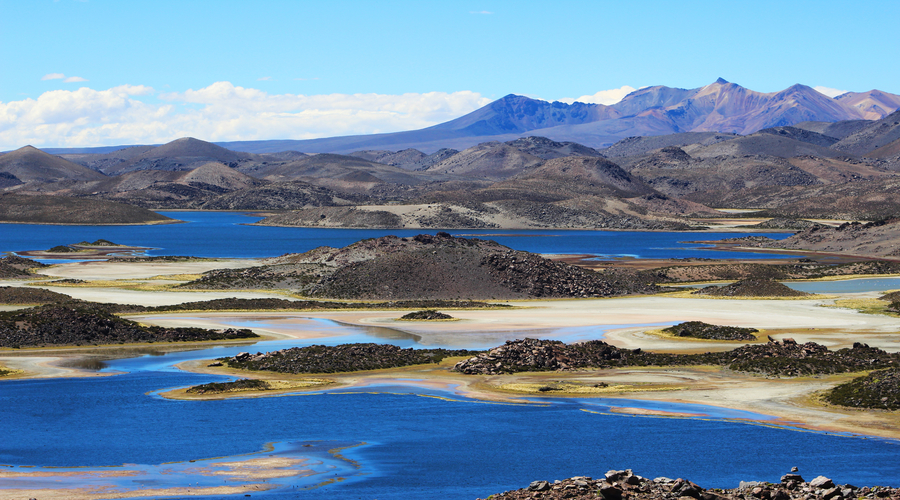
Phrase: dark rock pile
(14, 266)
(879, 389)
(790, 359)
(534, 276)
(80, 323)
(426, 315)
(543, 355)
(701, 330)
(341, 358)
(243, 384)
(625, 485)
(752, 288)
(774, 358)
(28, 295)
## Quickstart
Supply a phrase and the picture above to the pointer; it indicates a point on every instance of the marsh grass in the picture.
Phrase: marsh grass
(865, 306)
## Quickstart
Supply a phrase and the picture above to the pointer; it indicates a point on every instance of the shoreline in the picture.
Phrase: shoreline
(788, 403)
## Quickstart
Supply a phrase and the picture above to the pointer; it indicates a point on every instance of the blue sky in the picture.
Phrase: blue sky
(99, 72)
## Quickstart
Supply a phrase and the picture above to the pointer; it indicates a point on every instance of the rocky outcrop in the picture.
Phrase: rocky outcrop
(701, 330)
(426, 315)
(341, 358)
(625, 485)
(786, 358)
(429, 267)
(543, 355)
(78, 323)
(879, 389)
(877, 239)
(13, 266)
(25, 295)
(752, 288)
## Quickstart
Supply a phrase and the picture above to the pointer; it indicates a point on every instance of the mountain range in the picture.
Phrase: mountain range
(718, 107)
(715, 158)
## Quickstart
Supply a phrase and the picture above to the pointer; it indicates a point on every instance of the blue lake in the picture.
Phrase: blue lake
(226, 234)
(401, 441)
(406, 441)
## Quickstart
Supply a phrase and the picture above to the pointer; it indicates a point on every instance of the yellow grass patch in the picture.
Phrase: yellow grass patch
(691, 295)
(177, 277)
(866, 306)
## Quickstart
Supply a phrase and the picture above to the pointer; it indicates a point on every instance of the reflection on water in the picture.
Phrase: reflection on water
(281, 467)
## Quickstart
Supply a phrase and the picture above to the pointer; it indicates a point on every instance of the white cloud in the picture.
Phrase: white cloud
(830, 92)
(75, 79)
(264, 78)
(53, 76)
(482, 12)
(219, 112)
(606, 97)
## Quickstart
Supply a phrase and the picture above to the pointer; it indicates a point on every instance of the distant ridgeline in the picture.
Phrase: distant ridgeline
(660, 159)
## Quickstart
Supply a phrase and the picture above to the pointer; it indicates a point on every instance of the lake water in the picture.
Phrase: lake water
(397, 441)
(408, 442)
(226, 234)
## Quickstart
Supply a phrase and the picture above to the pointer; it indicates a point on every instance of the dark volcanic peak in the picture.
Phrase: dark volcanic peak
(29, 164)
(799, 134)
(634, 146)
(548, 149)
(515, 114)
(838, 130)
(873, 136)
(767, 144)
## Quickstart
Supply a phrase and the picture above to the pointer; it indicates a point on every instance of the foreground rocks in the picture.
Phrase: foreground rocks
(786, 358)
(625, 485)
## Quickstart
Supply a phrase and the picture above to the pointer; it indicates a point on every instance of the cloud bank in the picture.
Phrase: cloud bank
(830, 92)
(606, 97)
(137, 114)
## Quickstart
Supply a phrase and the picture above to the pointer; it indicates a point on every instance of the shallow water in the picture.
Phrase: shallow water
(412, 440)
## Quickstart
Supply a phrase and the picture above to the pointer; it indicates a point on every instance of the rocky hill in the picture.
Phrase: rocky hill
(13, 266)
(341, 358)
(78, 323)
(752, 287)
(42, 209)
(427, 267)
(873, 239)
(781, 359)
(29, 164)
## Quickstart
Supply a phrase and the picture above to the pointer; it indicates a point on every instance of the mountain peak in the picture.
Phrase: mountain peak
(721, 81)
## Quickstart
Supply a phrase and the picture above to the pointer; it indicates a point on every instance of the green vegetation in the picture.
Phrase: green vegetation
(879, 389)
(244, 384)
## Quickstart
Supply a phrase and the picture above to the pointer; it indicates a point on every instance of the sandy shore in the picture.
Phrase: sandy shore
(112, 270)
(803, 320)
